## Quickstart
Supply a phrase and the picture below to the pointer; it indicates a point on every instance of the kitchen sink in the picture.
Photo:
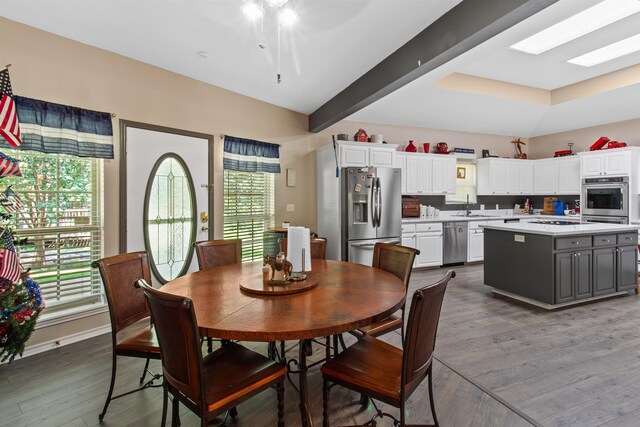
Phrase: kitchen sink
(473, 216)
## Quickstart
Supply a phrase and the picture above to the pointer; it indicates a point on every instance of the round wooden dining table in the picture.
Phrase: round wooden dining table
(347, 296)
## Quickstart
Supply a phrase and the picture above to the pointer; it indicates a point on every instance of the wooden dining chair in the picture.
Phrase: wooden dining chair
(318, 247)
(387, 373)
(397, 260)
(132, 333)
(212, 253)
(216, 383)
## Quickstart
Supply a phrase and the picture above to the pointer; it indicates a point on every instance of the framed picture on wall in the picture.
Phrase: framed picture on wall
(461, 172)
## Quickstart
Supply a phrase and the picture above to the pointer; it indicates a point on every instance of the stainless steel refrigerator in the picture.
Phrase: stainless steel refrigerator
(357, 208)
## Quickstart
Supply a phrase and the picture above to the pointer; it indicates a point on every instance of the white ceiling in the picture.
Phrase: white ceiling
(335, 42)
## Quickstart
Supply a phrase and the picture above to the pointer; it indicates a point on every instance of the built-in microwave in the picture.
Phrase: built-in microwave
(605, 196)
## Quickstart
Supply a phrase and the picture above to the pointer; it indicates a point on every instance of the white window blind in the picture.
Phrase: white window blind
(248, 210)
(61, 220)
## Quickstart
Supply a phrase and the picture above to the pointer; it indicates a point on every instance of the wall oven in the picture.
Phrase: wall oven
(605, 197)
(606, 219)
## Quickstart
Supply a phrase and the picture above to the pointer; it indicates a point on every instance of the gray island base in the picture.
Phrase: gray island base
(553, 266)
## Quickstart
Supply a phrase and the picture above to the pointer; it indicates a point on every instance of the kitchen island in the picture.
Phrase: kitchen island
(555, 265)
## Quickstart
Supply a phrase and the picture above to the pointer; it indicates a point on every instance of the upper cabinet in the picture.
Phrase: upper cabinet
(607, 162)
(560, 175)
(568, 175)
(444, 174)
(360, 154)
(545, 172)
(427, 174)
(505, 176)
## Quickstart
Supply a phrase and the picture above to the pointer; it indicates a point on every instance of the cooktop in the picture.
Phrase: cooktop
(553, 222)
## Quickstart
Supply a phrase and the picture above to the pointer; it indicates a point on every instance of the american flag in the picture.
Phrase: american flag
(11, 201)
(11, 267)
(9, 166)
(9, 126)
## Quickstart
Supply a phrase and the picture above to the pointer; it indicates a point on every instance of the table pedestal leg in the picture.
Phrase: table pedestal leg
(305, 409)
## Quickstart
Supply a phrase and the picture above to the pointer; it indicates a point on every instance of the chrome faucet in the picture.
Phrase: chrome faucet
(466, 207)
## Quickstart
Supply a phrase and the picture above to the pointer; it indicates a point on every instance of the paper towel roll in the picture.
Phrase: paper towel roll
(298, 239)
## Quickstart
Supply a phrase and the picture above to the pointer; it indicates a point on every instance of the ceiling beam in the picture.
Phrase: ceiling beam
(467, 25)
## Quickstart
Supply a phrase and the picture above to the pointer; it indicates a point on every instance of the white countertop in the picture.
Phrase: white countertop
(563, 230)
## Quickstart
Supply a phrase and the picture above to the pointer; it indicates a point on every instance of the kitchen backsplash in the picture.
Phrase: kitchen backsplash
(490, 202)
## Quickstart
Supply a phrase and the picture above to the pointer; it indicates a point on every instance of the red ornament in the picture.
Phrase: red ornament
(411, 148)
(361, 136)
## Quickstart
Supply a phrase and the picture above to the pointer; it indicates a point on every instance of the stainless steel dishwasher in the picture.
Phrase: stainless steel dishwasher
(455, 242)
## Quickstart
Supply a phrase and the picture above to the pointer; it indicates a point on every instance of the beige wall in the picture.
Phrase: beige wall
(544, 146)
(496, 144)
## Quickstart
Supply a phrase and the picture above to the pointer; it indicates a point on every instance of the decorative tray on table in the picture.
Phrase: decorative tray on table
(255, 285)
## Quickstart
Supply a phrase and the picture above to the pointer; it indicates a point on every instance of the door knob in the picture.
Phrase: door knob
(203, 228)
(204, 216)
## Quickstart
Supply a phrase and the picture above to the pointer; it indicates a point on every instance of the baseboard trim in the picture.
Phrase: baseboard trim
(66, 340)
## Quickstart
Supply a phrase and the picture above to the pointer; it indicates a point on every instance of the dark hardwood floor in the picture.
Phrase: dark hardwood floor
(497, 364)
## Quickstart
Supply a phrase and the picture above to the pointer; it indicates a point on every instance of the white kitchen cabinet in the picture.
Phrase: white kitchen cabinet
(360, 154)
(525, 169)
(498, 176)
(545, 172)
(426, 174)
(381, 156)
(505, 176)
(351, 155)
(418, 171)
(568, 175)
(408, 237)
(444, 175)
(427, 238)
(558, 175)
(616, 162)
(429, 243)
(475, 241)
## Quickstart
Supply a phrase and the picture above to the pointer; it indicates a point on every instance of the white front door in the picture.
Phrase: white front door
(160, 213)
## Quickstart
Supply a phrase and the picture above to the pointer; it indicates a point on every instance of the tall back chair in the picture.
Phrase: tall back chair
(132, 333)
(212, 253)
(397, 260)
(214, 384)
(318, 247)
(387, 373)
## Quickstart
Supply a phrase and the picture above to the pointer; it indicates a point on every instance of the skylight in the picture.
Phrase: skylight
(587, 21)
(607, 53)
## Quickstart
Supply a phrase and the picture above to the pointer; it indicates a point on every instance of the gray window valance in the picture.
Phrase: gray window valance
(60, 129)
(247, 155)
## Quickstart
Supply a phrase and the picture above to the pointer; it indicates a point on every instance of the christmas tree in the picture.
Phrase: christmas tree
(20, 298)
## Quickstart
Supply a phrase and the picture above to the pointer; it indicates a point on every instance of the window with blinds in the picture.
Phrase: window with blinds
(248, 210)
(59, 226)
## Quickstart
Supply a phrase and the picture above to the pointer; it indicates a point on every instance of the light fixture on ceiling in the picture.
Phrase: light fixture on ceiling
(252, 10)
(587, 21)
(286, 16)
(607, 53)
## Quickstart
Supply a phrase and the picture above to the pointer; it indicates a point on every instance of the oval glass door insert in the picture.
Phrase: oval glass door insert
(169, 218)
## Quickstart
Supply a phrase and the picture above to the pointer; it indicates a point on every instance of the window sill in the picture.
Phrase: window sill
(70, 314)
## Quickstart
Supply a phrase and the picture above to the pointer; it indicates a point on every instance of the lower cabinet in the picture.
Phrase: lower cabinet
(430, 247)
(626, 270)
(604, 271)
(614, 269)
(475, 245)
(573, 276)
(427, 238)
